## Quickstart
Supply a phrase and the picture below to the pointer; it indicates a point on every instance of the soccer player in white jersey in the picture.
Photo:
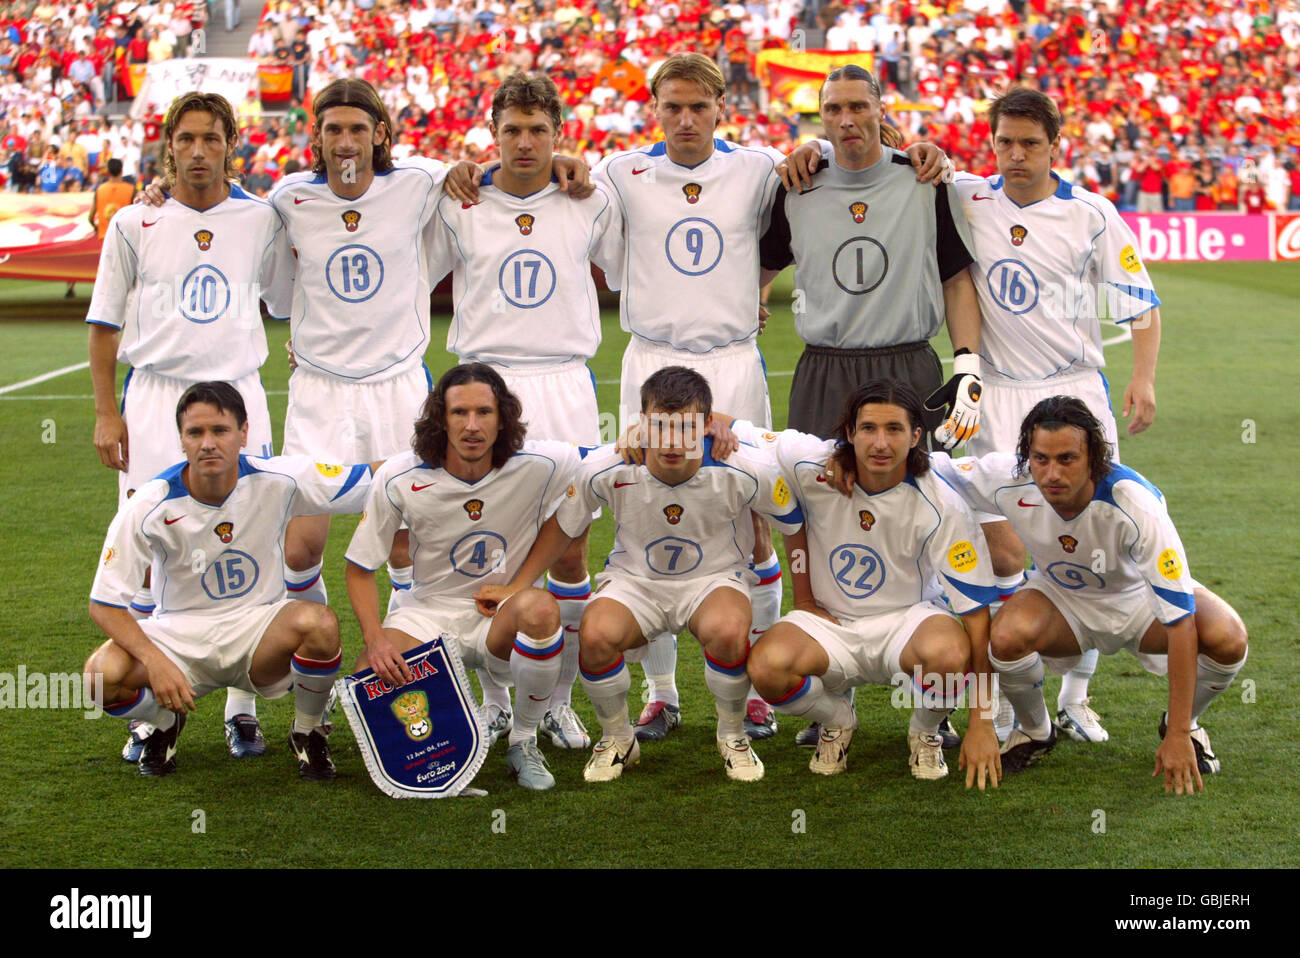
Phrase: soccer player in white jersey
(1110, 573)
(212, 528)
(474, 494)
(176, 299)
(869, 597)
(525, 303)
(1049, 256)
(680, 559)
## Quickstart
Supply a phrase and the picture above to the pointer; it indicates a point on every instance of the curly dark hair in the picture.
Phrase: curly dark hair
(430, 441)
(890, 392)
(194, 102)
(532, 93)
(1057, 412)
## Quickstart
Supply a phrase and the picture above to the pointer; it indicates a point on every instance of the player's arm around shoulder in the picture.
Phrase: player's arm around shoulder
(774, 497)
(320, 488)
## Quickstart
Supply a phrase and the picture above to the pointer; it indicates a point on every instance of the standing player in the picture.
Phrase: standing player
(176, 299)
(881, 260)
(1048, 255)
(868, 605)
(526, 304)
(474, 495)
(680, 560)
(1110, 573)
(110, 196)
(211, 529)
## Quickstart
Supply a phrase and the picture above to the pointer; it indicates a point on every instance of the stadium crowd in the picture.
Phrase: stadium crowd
(1188, 105)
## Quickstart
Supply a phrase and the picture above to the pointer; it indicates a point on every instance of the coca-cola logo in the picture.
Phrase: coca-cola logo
(1288, 238)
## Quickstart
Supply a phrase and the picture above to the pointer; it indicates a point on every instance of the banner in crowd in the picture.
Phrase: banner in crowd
(47, 236)
(160, 83)
(795, 77)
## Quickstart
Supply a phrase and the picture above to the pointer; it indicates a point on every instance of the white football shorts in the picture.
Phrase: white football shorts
(736, 376)
(154, 442)
(334, 420)
(661, 605)
(559, 401)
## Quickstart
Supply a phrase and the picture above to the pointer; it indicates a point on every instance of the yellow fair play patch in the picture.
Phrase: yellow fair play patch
(781, 493)
(1129, 260)
(329, 472)
(1171, 566)
(962, 556)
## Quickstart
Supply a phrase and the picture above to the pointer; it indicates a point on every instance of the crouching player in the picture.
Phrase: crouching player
(868, 604)
(1110, 573)
(474, 494)
(211, 530)
(680, 559)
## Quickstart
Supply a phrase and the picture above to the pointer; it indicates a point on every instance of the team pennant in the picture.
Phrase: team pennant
(424, 739)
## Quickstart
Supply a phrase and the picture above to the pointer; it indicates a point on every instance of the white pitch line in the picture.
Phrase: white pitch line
(44, 376)
(1121, 337)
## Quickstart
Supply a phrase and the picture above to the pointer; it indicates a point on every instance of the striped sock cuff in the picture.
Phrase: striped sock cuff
(796, 693)
(1008, 584)
(569, 590)
(609, 673)
(305, 666)
(735, 668)
(302, 586)
(123, 708)
(769, 571)
(546, 648)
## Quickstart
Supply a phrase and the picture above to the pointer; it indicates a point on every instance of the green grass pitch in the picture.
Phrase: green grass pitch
(1223, 450)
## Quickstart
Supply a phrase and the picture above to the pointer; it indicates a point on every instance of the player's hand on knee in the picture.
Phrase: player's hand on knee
(490, 597)
(462, 182)
(961, 394)
(387, 662)
(151, 195)
(574, 176)
(1140, 400)
(796, 170)
(931, 163)
(171, 689)
(111, 441)
(1177, 759)
(725, 442)
(980, 756)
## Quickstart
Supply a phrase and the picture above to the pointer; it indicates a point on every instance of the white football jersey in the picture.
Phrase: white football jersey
(1123, 541)
(1045, 272)
(872, 554)
(521, 273)
(360, 307)
(464, 535)
(206, 558)
(700, 527)
(183, 285)
(690, 274)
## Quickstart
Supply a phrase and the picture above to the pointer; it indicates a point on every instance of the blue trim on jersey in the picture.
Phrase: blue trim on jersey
(125, 383)
(1105, 491)
(353, 478)
(175, 486)
(1064, 189)
(1105, 384)
(793, 518)
(100, 322)
(146, 609)
(238, 194)
(246, 468)
(359, 566)
(1140, 293)
(487, 181)
(1181, 600)
(658, 149)
(428, 376)
(983, 594)
(995, 182)
(319, 178)
(722, 146)
(111, 605)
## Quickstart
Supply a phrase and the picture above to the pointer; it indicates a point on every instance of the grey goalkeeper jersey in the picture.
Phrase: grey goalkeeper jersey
(872, 249)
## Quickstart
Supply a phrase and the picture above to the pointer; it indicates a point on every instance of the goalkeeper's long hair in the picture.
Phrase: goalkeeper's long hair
(891, 392)
(890, 135)
(349, 91)
(1057, 412)
(430, 441)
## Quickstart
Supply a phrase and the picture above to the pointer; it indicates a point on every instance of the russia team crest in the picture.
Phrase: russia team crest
(424, 739)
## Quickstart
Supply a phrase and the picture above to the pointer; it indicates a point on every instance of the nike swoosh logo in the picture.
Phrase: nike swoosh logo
(297, 199)
(620, 485)
(756, 631)
(569, 628)
(415, 488)
(821, 478)
(981, 197)
(811, 189)
(640, 171)
(1022, 502)
(147, 225)
(536, 699)
(168, 522)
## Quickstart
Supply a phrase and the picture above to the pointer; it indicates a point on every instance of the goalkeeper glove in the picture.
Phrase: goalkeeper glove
(961, 394)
